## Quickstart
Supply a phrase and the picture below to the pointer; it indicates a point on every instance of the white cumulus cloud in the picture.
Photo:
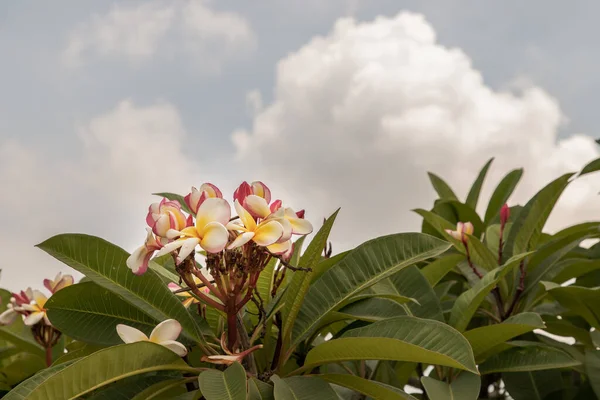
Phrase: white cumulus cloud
(358, 116)
(138, 31)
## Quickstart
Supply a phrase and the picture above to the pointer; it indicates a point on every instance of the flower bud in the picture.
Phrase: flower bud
(462, 230)
(164, 216)
(197, 196)
(504, 214)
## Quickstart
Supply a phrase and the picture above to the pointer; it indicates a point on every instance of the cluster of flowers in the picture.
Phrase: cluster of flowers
(30, 303)
(210, 225)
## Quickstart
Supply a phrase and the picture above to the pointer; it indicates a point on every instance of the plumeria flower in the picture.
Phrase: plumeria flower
(197, 196)
(256, 188)
(36, 309)
(264, 233)
(9, 315)
(209, 232)
(58, 283)
(462, 230)
(189, 299)
(164, 216)
(139, 259)
(164, 334)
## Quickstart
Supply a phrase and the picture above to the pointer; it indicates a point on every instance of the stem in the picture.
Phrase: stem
(202, 296)
(48, 356)
(469, 260)
(341, 364)
(245, 343)
(207, 283)
(231, 327)
(500, 244)
(279, 343)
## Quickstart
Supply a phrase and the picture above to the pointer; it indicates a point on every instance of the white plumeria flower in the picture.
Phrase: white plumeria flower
(209, 232)
(164, 334)
(264, 233)
(9, 315)
(58, 283)
(462, 230)
(36, 309)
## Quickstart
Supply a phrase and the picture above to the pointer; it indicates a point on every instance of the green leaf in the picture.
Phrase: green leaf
(485, 338)
(468, 302)
(104, 263)
(228, 385)
(303, 388)
(372, 309)
(264, 286)
(411, 283)
(83, 350)
(590, 167)
(527, 228)
(71, 380)
(126, 389)
(580, 300)
(180, 199)
(473, 195)
(373, 389)
(166, 389)
(402, 339)
(441, 187)
(436, 270)
(90, 312)
(364, 266)
(503, 191)
(465, 387)
(532, 357)
(592, 369)
(259, 390)
(532, 385)
(299, 286)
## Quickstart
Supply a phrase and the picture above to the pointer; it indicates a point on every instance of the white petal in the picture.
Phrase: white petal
(8, 316)
(34, 318)
(212, 210)
(166, 330)
(187, 248)
(257, 206)
(241, 240)
(169, 248)
(175, 347)
(39, 298)
(136, 259)
(280, 248)
(268, 233)
(129, 334)
(215, 237)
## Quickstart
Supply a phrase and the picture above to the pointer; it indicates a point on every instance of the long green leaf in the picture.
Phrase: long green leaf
(473, 195)
(72, 380)
(441, 187)
(228, 385)
(299, 286)
(372, 309)
(503, 191)
(402, 339)
(436, 270)
(592, 369)
(527, 228)
(590, 167)
(303, 388)
(465, 387)
(580, 300)
(90, 312)
(163, 390)
(532, 385)
(259, 390)
(485, 338)
(364, 266)
(528, 358)
(373, 389)
(468, 302)
(411, 283)
(104, 263)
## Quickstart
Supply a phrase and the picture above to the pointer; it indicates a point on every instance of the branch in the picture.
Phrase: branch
(288, 265)
(201, 295)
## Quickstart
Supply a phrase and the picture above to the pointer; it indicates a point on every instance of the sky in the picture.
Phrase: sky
(345, 103)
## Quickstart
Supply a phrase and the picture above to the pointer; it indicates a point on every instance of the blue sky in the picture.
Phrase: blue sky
(340, 103)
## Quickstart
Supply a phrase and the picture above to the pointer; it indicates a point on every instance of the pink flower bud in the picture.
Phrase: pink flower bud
(276, 205)
(164, 216)
(300, 213)
(243, 191)
(504, 214)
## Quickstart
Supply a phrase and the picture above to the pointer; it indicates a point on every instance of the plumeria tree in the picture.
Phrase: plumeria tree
(227, 299)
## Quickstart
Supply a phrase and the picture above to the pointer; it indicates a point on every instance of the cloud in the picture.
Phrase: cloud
(358, 116)
(126, 154)
(140, 31)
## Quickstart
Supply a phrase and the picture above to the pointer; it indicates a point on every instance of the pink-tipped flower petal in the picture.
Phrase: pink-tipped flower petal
(215, 237)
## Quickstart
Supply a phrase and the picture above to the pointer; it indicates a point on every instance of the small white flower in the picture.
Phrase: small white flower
(164, 334)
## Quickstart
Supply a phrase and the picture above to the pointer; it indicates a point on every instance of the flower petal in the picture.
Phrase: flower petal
(299, 226)
(39, 298)
(66, 280)
(34, 318)
(245, 217)
(167, 330)
(241, 240)
(136, 260)
(170, 247)
(280, 248)
(187, 248)
(215, 237)
(129, 334)
(175, 347)
(257, 206)
(212, 210)
(8, 316)
(268, 233)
